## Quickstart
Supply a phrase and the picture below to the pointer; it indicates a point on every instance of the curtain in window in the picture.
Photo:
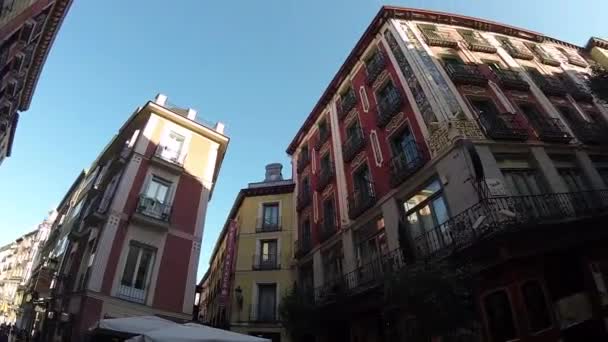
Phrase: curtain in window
(266, 302)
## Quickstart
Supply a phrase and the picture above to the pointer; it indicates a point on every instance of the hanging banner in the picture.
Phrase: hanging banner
(228, 263)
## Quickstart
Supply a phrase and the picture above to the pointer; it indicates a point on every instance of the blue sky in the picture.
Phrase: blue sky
(258, 66)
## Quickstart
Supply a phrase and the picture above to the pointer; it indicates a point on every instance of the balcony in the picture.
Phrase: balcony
(153, 212)
(169, 157)
(436, 38)
(323, 137)
(302, 247)
(388, 107)
(132, 294)
(348, 101)
(589, 133)
(266, 262)
(510, 79)
(551, 86)
(353, 145)
(361, 199)
(505, 126)
(374, 66)
(478, 44)
(578, 91)
(550, 130)
(264, 225)
(543, 56)
(263, 314)
(326, 175)
(405, 164)
(519, 52)
(303, 161)
(303, 200)
(466, 74)
(371, 274)
(327, 228)
(507, 214)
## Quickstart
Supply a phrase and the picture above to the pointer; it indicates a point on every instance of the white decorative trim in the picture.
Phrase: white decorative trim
(338, 164)
(315, 209)
(376, 147)
(364, 99)
(313, 161)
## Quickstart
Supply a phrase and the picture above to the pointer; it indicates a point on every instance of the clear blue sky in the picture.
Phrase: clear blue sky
(258, 66)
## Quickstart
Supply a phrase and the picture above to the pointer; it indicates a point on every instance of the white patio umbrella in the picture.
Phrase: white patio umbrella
(191, 332)
(134, 325)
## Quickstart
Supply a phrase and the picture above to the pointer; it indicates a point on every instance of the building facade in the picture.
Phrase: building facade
(27, 31)
(250, 268)
(445, 137)
(128, 237)
(598, 49)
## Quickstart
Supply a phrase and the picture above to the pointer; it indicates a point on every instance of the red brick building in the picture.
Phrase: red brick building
(445, 137)
(27, 31)
(128, 237)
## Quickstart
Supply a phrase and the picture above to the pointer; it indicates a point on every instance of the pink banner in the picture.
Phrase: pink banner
(228, 263)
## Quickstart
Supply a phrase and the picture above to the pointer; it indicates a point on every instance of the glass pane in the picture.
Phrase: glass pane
(500, 317)
(152, 189)
(161, 194)
(266, 302)
(414, 224)
(536, 306)
(145, 264)
(440, 210)
(127, 276)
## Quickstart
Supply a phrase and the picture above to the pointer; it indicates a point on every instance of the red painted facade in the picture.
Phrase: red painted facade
(185, 204)
(169, 292)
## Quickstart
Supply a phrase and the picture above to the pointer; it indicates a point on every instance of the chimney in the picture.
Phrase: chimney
(273, 172)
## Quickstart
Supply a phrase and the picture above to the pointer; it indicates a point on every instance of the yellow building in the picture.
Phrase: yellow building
(598, 49)
(250, 268)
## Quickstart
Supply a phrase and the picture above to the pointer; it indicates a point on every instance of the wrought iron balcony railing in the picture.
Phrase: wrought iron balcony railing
(505, 126)
(578, 91)
(268, 225)
(153, 208)
(362, 198)
(353, 145)
(327, 228)
(168, 154)
(478, 44)
(263, 313)
(323, 137)
(389, 106)
(437, 38)
(326, 175)
(551, 86)
(265, 262)
(302, 246)
(466, 74)
(516, 50)
(348, 101)
(303, 161)
(589, 132)
(510, 79)
(375, 65)
(303, 199)
(550, 129)
(406, 163)
(507, 214)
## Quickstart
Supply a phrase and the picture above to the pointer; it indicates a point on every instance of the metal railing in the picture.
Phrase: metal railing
(551, 86)
(323, 137)
(589, 132)
(578, 91)
(362, 198)
(302, 246)
(509, 213)
(326, 174)
(131, 294)
(303, 161)
(550, 129)
(374, 66)
(369, 274)
(466, 74)
(436, 38)
(261, 313)
(348, 101)
(303, 199)
(353, 145)
(262, 262)
(510, 79)
(268, 225)
(505, 126)
(519, 52)
(169, 154)
(389, 106)
(327, 228)
(154, 208)
(478, 44)
(406, 163)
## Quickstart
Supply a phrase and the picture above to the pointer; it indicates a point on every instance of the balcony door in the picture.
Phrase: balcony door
(267, 302)
(362, 181)
(404, 148)
(172, 147)
(155, 198)
(270, 216)
(268, 253)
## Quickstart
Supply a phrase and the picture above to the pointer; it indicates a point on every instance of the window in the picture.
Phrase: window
(158, 189)
(451, 60)
(267, 299)
(371, 244)
(531, 112)
(361, 179)
(524, 182)
(536, 306)
(571, 174)
(268, 253)
(404, 144)
(305, 233)
(494, 65)
(484, 107)
(305, 185)
(424, 211)
(270, 216)
(325, 163)
(76, 209)
(323, 128)
(137, 271)
(304, 152)
(329, 215)
(499, 315)
(172, 147)
(332, 264)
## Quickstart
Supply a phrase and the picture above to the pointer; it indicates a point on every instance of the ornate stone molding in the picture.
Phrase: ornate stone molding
(444, 134)
(473, 89)
(329, 191)
(358, 160)
(520, 95)
(380, 80)
(395, 123)
(351, 116)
